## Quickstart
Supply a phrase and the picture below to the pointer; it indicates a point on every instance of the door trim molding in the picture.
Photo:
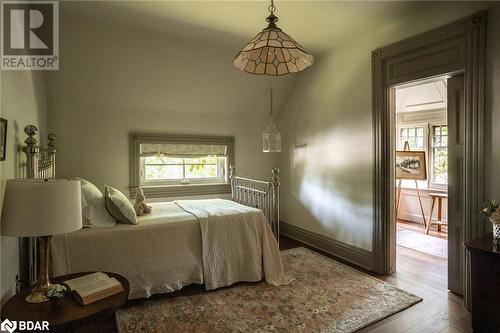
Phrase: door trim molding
(465, 41)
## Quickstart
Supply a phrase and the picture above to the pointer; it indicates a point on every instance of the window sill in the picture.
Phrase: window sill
(181, 190)
(425, 189)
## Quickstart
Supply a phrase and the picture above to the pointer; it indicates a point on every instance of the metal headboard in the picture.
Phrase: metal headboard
(40, 163)
(264, 195)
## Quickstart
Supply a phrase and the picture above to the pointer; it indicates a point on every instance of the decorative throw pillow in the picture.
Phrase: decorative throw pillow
(94, 211)
(119, 206)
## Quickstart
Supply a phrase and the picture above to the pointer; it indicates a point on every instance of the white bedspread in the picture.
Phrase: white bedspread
(237, 243)
(159, 255)
(216, 242)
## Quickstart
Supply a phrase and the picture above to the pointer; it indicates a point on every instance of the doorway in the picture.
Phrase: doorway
(456, 50)
(421, 177)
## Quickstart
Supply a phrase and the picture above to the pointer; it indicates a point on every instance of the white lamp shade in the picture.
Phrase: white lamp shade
(38, 207)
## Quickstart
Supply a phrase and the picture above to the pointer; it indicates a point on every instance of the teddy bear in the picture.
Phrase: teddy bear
(140, 206)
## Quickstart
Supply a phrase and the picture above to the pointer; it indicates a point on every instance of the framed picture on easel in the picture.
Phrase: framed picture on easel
(411, 165)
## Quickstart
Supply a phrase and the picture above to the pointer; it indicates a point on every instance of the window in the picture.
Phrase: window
(414, 135)
(165, 169)
(433, 139)
(180, 165)
(439, 155)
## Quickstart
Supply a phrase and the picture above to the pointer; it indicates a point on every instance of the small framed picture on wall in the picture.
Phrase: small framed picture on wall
(3, 138)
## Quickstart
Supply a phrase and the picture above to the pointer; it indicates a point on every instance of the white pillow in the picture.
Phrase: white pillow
(95, 213)
(85, 221)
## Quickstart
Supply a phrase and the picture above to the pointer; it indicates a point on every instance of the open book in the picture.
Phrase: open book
(93, 287)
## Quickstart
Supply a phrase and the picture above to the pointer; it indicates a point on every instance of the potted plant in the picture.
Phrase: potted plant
(55, 294)
(491, 211)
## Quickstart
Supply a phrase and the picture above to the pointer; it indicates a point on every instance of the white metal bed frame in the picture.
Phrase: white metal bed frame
(264, 195)
(41, 163)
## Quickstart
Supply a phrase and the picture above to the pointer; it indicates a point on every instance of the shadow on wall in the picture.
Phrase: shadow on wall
(328, 181)
(331, 177)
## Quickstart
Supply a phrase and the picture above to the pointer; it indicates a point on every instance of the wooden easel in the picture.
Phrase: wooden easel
(398, 197)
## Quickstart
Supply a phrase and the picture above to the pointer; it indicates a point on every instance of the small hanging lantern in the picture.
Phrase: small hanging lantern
(271, 138)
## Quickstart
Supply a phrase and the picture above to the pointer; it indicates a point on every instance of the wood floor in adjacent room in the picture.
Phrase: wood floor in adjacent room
(418, 273)
(419, 227)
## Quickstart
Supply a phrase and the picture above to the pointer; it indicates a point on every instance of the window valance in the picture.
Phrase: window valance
(182, 150)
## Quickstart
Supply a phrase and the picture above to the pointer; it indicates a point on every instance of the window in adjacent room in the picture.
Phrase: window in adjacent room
(433, 139)
(439, 155)
(414, 135)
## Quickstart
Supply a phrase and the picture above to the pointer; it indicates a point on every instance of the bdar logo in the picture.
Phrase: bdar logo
(8, 326)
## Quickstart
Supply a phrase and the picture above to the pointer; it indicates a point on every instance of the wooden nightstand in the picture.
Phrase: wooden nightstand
(485, 277)
(71, 315)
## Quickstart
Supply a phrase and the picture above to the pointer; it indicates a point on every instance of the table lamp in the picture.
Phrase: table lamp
(41, 208)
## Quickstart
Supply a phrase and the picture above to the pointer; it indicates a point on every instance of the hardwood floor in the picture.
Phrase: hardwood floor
(423, 275)
(419, 227)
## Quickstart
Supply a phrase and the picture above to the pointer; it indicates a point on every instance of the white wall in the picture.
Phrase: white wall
(22, 103)
(113, 82)
(328, 184)
(409, 209)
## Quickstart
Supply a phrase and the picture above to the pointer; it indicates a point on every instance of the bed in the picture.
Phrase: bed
(177, 245)
(214, 242)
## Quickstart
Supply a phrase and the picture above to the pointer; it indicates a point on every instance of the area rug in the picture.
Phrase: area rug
(326, 296)
(420, 242)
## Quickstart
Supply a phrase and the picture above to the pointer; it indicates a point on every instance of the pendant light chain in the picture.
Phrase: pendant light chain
(271, 103)
(271, 7)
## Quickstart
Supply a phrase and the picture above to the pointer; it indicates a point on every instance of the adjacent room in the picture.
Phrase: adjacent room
(249, 166)
(422, 166)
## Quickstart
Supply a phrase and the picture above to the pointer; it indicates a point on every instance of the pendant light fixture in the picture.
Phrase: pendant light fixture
(273, 52)
(271, 138)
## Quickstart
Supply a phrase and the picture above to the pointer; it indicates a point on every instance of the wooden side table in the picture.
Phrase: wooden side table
(72, 314)
(439, 222)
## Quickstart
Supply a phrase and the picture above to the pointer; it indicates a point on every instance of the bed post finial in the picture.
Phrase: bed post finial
(31, 150)
(30, 131)
(232, 171)
(275, 181)
(52, 141)
(276, 177)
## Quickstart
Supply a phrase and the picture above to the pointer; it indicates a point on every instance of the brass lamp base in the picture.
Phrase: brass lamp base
(38, 293)
(36, 297)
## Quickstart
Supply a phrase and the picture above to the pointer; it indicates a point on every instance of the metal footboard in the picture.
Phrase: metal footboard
(264, 195)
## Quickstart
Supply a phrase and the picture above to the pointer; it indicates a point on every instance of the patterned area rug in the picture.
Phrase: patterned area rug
(418, 241)
(326, 296)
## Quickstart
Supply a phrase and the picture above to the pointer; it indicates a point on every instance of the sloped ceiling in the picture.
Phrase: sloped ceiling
(218, 29)
(317, 25)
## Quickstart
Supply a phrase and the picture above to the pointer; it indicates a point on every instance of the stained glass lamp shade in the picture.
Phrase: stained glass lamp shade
(273, 52)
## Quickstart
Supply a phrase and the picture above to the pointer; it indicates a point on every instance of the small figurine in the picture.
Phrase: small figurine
(140, 206)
